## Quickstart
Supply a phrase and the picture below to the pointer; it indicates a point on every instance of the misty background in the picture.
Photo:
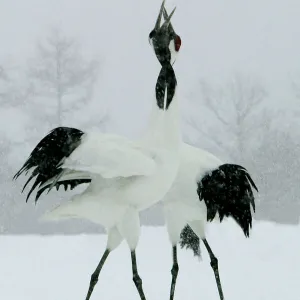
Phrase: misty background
(88, 64)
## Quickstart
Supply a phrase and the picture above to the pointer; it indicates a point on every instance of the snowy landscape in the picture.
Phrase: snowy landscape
(238, 75)
(264, 267)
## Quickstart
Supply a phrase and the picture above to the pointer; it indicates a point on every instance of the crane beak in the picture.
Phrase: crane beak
(158, 21)
(167, 18)
(171, 31)
(167, 24)
(166, 28)
(162, 35)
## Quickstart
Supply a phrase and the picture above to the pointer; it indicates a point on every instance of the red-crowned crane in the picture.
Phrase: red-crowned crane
(204, 189)
(124, 176)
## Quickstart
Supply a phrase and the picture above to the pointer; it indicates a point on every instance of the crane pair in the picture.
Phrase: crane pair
(125, 177)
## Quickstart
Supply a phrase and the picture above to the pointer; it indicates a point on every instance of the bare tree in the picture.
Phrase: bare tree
(241, 123)
(3, 84)
(235, 111)
(276, 165)
(12, 92)
(295, 84)
(60, 83)
(3, 75)
(60, 72)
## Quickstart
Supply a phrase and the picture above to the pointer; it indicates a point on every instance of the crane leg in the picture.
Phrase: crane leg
(136, 278)
(174, 272)
(214, 265)
(95, 275)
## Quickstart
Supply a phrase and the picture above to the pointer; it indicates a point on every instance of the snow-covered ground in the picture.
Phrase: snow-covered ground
(266, 266)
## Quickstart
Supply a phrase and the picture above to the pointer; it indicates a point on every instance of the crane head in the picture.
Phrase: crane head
(164, 40)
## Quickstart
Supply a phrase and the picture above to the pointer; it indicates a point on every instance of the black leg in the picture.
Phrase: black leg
(174, 272)
(214, 265)
(136, 278)
(95, 275)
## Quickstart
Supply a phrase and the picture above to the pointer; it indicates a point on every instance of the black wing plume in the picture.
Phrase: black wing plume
(48, 156)
(71, 184)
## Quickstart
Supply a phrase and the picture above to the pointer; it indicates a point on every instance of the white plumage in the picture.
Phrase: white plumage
(183, 197)
(125, 175)
(112, 156)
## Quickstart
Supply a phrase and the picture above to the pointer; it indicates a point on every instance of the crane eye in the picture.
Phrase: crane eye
(177, 43)
(151, 35)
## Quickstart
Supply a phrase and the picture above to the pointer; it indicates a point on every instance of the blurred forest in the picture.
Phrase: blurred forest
(236, 119)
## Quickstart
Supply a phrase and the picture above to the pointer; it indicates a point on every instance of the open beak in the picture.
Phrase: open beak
(166, 27)
(167, 18)
(161, 37)
(158, 21)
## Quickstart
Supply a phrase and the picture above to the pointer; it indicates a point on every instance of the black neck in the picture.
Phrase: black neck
(163, 54)
(166, 79)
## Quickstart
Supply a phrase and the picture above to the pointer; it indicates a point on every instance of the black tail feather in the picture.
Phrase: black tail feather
(48, 156)
(189, 240)
(227, 191)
